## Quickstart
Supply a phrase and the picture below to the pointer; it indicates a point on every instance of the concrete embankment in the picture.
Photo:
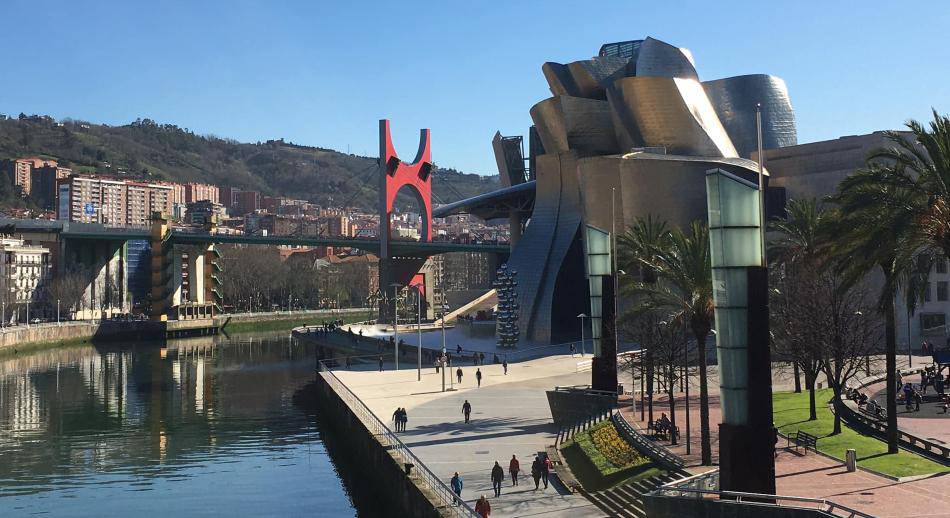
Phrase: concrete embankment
(378, 469)
(23, 337)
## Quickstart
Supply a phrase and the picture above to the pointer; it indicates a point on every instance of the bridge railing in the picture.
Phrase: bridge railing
(449, 504)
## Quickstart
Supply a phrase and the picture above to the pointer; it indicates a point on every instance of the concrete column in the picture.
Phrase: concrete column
(176, 280)
(196, 276)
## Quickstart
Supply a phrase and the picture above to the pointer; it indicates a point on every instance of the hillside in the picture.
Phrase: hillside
(147, 150)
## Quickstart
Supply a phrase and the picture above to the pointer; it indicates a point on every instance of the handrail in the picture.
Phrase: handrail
(733, 497)
(656, 451)
(450, 503)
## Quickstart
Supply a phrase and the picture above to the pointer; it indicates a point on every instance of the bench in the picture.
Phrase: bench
(803, 439)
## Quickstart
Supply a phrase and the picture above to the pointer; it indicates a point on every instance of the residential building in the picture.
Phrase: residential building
(43, 184)
(204, 211)
(24, 271)
(245, 202)
(122, 203)
(194, 192)
(20, 171)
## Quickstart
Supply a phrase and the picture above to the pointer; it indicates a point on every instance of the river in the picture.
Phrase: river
(197, 427)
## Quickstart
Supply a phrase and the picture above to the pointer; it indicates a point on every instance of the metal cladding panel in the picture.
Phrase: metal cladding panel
(549, 121)
(575, 124)
(509, 159)
(566, 234)
(734, 99)
(504, 175)
(673, 113)
(597, 176)
(559, 79)
(530, 258)
(593, 76)
(660, 59)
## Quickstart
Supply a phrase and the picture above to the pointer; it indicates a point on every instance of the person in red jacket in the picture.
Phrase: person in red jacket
(482, 507)
(514, 467)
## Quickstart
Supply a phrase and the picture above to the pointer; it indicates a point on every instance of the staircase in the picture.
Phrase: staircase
(626, 501)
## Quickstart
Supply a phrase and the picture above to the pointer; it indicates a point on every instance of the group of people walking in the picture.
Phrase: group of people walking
(540, 470)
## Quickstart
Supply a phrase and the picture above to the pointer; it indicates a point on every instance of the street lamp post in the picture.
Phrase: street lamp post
(395, 288)
(27, 313)
(419, 330)
(582, 316)
(57, 312)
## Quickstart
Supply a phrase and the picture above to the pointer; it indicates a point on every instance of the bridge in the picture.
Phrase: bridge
(102, 249)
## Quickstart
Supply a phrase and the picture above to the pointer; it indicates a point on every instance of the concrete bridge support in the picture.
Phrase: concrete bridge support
(169, 300)
(100, 267)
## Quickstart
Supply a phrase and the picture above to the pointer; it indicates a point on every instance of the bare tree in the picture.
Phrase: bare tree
(67, 288)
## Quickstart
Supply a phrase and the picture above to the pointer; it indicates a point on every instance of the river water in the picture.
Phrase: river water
(198, 427)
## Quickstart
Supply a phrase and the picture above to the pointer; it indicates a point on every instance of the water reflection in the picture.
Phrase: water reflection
(197, 427)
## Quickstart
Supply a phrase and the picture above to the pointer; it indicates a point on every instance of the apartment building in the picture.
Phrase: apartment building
(20, 171)
(24, 271)
(120, 203)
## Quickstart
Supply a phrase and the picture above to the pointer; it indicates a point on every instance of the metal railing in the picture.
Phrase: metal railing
(449, 503)
(653, 450)
(734, 497)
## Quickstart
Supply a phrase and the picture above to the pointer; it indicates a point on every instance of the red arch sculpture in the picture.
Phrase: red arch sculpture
(396, 174)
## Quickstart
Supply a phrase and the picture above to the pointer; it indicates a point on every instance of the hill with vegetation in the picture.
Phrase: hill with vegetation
(146, 150)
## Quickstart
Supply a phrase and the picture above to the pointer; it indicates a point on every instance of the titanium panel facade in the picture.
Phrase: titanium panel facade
(672, 113)
(574, 123)
(734, 99)
(660, 59)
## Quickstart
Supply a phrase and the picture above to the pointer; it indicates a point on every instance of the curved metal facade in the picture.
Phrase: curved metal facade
(673, 113)
(634, 122)
(734, 99)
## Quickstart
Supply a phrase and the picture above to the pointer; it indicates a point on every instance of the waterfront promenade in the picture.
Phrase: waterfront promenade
(510, 415)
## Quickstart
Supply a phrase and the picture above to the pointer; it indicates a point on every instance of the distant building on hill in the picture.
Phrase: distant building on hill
(20, 171)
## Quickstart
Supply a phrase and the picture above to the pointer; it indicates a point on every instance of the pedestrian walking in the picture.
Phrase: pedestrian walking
(513, 468)
(405, 419)
(481, 358)
(397, 418)
(478, 377)
(497, 476)
(917, 400)
(458, 374)
(482, 507)
(573, 349)
(536, 472)
(458, 349)
(504, 365)
(456, 483)
(545, 470)
(466, 410)
(380, 364)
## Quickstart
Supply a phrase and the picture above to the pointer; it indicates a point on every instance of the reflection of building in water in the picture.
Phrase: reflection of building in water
(20, 405)
(108, 377)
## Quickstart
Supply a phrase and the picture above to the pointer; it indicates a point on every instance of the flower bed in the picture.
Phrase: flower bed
(615, 449)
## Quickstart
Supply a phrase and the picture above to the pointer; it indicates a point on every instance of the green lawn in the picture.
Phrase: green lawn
(791, 413)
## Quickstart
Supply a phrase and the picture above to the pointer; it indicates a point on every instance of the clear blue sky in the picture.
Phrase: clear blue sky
(323, 73)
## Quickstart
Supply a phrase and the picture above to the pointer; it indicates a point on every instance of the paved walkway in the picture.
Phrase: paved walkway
(510, 415)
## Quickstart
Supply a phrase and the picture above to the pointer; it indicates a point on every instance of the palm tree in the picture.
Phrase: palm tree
(638, 249)
(895, 215)
(683, 288)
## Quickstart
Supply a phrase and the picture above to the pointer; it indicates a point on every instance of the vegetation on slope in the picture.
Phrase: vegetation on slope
(145, 149)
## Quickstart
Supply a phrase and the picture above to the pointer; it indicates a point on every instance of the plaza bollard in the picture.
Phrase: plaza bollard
(851, 460)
